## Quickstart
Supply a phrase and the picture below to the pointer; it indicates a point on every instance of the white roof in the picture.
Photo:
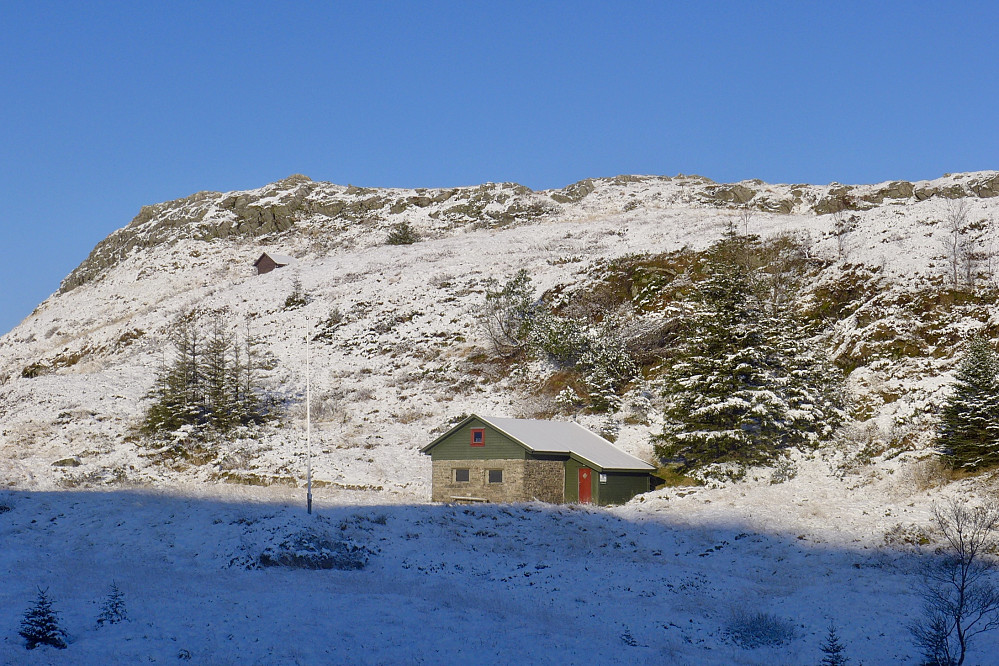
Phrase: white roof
(280, 259)
(567, 438)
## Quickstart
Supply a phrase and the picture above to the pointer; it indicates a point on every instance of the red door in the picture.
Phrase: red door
(585, 485)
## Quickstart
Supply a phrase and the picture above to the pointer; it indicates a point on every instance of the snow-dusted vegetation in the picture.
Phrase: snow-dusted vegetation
(608, 302)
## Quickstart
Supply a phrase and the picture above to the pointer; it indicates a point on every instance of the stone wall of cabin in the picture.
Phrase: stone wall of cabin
(445, 489)
(544, 480)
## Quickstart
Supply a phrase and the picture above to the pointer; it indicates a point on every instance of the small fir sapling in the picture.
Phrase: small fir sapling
(113, 611)
(835, 653)
(298, 296)
(40, 624)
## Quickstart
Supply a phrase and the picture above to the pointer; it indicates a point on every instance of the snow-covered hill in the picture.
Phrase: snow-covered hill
(404, 351)
(400, 352)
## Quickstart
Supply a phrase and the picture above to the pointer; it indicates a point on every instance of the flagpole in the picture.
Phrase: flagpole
(308, 420)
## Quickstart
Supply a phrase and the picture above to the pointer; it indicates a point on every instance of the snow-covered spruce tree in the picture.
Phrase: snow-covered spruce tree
(745, 382)
(222, 373)
(177, 392)
(208, 379)
(968, 435)
(606, 367)
(113, 610)
(40, 624)
(298, 296)
(832, 648)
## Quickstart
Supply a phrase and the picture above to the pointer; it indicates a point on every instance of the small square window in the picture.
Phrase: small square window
(461, 476)
(603, 478)
(478, 437)
(495, 476)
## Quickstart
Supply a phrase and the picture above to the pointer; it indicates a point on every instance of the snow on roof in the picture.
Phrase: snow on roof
(279, 259)
(569, 438)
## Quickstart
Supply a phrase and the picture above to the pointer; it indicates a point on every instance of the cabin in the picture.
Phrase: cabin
(489, 459)
(268, 262)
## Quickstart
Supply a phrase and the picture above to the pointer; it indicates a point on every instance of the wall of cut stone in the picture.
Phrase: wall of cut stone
(446, 489)
(544, 481)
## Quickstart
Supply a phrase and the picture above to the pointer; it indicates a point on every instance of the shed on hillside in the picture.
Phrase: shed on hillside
(268, 262)
(491, 459)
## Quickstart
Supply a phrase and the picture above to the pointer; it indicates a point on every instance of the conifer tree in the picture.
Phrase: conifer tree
(745, 382)
(968, 435)
(40, 624)
(208, 379)
(835, 653)
(113, 611)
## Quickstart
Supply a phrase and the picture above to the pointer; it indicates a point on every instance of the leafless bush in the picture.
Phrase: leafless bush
(753, 629)
(929, 473)
(960, 600)
(956, 244)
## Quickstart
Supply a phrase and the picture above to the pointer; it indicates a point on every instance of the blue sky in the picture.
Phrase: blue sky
(107, 106)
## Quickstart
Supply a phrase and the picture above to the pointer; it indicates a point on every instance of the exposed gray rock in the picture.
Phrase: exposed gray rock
(575, 192)
(945, 191)
(899, 189)
(986, 186)
(729, 194)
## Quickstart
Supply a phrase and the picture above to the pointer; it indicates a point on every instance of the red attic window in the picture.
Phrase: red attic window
(478, 437)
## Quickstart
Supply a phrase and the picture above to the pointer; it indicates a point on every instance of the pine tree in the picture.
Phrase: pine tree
(40, 624)
(835, 653)
(745, 382)
(207, 379)
(968, 435)
(113, 610)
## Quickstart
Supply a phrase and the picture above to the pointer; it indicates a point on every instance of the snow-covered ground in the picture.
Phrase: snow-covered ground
(661, 579)
(658, 581)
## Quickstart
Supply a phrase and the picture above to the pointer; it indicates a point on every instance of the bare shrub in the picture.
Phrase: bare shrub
(753, 629)
(960, 600)
(929, 473)
(956, 244)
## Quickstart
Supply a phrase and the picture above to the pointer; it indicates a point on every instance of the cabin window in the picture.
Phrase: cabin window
(603, 478)
(461, 475)
(478, 437)
(495, 476)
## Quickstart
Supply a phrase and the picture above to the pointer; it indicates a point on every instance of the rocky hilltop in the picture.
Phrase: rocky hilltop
(299, 203)
(400, 350)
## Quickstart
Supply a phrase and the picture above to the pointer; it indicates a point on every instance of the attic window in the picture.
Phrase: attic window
(461, 475)
(478, 437)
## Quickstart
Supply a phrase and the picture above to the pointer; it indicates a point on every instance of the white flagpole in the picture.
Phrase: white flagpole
(308, 419)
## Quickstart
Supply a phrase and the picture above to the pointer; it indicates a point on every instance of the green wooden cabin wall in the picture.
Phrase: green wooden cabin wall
(458, 445)
(572, 480)
(621, 487)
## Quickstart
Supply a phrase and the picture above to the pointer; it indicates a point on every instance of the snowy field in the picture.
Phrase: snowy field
(663, 580)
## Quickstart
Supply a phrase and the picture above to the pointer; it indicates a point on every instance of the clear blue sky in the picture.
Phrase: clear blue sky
(106, 107)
